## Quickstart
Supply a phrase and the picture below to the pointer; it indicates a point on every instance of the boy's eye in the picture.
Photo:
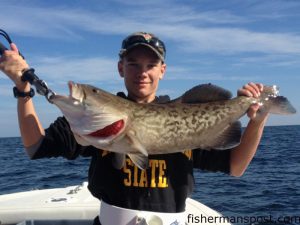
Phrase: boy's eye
(135, 64)
(132, 64)
(152, 65)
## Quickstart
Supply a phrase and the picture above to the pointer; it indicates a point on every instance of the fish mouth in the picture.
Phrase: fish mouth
(76, 93)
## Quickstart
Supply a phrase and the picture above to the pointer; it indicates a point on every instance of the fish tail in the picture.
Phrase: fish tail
(273, 103)
(278, 105)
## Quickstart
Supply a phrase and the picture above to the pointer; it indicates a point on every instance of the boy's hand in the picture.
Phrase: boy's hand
(13, 65)
(253, 90)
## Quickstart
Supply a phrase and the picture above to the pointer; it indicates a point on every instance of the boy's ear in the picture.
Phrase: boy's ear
(120, 68)
(163, 71)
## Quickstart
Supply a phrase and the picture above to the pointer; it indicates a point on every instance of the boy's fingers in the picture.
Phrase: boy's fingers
(14, 47)
(252, 111)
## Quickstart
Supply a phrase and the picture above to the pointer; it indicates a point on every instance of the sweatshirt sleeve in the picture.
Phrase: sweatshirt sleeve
(58, 141)
(213, 160)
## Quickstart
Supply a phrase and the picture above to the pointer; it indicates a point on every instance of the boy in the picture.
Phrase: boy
(159, 191)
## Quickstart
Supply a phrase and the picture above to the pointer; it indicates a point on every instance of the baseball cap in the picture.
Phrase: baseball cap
(143, 38)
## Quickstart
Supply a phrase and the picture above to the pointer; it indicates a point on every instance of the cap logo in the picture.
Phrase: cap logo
(147, 37)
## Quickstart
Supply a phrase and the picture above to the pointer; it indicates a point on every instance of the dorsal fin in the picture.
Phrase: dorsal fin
(204, 93)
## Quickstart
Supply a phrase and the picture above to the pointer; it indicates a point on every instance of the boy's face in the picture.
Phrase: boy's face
(141, 69)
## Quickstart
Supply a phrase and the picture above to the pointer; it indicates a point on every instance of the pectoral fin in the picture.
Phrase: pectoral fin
(118, 160)
(135, 143)
(140, 160)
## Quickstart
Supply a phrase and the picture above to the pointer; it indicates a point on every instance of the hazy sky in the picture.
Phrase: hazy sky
(228, 43)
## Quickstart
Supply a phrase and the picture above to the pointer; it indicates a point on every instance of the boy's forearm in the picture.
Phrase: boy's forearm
(30, 127)
(242, 155)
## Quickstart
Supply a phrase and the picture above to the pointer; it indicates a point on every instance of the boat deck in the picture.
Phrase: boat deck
(75, 205)
(56, 222)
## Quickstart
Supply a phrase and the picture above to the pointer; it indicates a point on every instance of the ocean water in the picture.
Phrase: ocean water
(268, 192)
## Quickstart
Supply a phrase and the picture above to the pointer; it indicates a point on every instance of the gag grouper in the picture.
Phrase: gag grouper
(204, 117)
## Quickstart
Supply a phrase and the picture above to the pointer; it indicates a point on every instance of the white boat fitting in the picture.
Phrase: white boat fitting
(75, 205)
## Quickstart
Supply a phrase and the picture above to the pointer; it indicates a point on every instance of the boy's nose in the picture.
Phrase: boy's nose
(143, 74)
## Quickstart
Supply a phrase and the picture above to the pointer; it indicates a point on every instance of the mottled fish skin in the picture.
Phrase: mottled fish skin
(160, 128)
(169, 127)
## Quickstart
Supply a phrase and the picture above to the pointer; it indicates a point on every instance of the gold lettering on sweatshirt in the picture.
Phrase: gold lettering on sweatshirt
(104, 153)
(143, 179)
(188, 154)
(153, 164)
(127, 171)
(162, 180)
(134, 177)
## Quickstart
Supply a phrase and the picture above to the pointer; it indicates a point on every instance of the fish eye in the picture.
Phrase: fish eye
(95, 90)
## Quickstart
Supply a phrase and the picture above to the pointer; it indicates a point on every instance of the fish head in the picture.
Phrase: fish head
(95, 116)
(72, 106)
